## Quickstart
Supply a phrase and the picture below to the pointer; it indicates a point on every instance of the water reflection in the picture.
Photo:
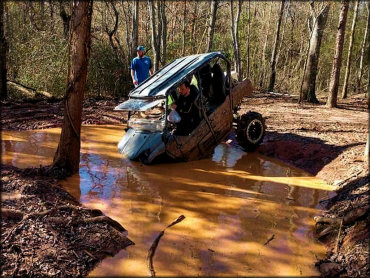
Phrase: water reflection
(233, 203)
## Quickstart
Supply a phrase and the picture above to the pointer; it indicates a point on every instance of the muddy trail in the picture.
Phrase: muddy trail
(48, 114)
(326, 143)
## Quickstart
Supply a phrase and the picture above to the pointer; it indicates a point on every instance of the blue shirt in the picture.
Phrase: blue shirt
(141, 67)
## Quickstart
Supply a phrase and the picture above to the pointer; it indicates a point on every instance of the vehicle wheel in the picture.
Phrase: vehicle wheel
(250, 131)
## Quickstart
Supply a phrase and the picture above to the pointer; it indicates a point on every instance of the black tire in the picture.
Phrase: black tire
(250, 131)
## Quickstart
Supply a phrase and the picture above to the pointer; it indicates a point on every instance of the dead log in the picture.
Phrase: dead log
(354, 214)
(349, 218)
(322, 219)
(154, 246)
(11, 214)
(270, 239)
(28, 91)
(103, 219)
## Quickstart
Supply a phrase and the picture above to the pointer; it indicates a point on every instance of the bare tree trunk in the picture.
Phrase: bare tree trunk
(67, 155)
(135, 28)
(274, 51)
(3, 46)
(42, 11)
(235, 36)
(193, 23)
(262, 75)
(337, 62)
(281, 39)
(249, 35)
(307, 52)
(159, 30)
(32, 16)
(184, 31)
(309, 81)
(51, 9)
(211, 27)
(65, 18)
(111, 33)
(365, 45)
(348, 66)
(164, 33)
(130, 25)
(153, 25)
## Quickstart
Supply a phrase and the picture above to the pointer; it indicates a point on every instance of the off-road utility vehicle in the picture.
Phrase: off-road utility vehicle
(151, 135)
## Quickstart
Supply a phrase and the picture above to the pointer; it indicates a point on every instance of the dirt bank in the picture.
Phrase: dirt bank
(327, 143)
(46, 232)
(42, 114)
(330, 144)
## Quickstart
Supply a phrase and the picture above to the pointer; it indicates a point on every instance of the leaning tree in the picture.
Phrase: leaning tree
(67, 156)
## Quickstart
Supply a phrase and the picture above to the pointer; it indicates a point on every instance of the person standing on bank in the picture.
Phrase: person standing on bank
(141, 67)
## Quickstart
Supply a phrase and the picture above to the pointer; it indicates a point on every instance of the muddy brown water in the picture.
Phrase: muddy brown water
(246, 214)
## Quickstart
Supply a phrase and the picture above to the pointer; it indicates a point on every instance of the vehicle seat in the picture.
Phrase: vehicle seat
(217, 85)
(206, 79)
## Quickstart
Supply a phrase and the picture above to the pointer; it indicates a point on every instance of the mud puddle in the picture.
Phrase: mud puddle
(246, 214)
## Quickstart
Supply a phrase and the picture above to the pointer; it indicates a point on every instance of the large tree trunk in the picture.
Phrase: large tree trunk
(67, 155)
(211, 27)
(153, 25)
(3, 46)
(274, 51)
(309, 81)
(235, 36)
(337, 62)
(365, 45)
(348, 66)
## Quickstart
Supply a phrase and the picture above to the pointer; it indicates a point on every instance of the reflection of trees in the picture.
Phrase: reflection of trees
(227, 155)
(251, 163)
(23, 143)
(147, 191)
(92, 180)
(291, 216)
(99, 176)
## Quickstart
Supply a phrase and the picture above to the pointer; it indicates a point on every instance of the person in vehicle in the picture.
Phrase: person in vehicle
(141, 67)
(186, 106)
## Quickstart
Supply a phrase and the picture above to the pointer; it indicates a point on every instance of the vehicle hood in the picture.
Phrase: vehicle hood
(141, 104)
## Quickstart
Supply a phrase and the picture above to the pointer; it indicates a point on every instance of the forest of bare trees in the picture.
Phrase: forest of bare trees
(310, 49)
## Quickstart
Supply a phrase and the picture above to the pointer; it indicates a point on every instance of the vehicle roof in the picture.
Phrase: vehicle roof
(158, 84)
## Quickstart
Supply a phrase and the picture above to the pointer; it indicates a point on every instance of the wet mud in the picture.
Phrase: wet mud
(244, 212)
(326, 143)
